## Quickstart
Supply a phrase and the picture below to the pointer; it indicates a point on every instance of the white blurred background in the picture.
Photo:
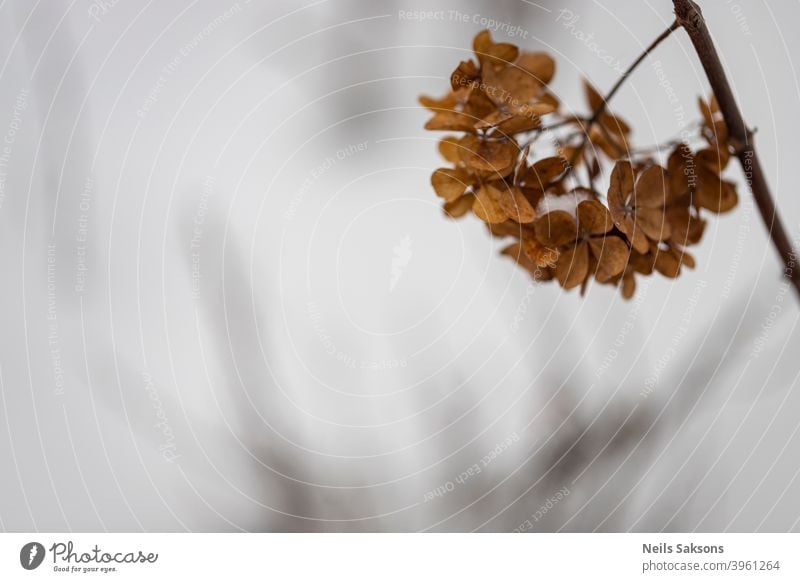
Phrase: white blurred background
(232, 302)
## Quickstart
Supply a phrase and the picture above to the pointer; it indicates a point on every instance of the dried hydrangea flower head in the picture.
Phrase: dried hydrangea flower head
(546, 195)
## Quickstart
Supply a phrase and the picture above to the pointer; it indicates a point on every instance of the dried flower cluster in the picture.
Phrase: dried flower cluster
(532, 174)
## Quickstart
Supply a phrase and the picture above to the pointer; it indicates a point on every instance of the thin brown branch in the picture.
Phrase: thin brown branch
(691, 19)
(603, 105)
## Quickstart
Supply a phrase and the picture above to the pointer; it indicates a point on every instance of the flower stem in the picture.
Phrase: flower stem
(661, 37)
(602, 107)
(691, 19)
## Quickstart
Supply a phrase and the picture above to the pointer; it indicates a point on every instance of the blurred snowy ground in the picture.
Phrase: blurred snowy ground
(232, 302)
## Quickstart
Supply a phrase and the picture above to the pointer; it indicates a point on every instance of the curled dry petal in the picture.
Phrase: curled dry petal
(491, 53)
(465, 75)
(539, 65)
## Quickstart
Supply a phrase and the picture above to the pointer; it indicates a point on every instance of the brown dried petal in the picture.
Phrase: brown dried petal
(540, 65)
(514, 124)
(450, 121)
(494, 119)
(447, 102)
(507, 228)
(544, 171)
(593, 217)
(490, 156)
(611, 253)
(573, 266)
(460, 206)
(541, 255)
(615, 125)
(681, 170)
(448, 147)
(450, 183)
(714, 158)
(620, 186)
(686, 228)
(515, 251)
(465, 75)
(511, 86)
(668, 263)
(628, 287)
(651, 188)
(713, 193)
(515, 205)
(491, 53)
(653, 223)
(593, 98)
(487, 205)
(556, 228)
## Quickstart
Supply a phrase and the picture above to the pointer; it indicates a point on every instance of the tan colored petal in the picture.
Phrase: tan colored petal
(686, 228)
(593, 97)
(491, 53)
(539, 64)
(628, 287)
(713, 193)
(532, 111)
(544, 171)
(667, 263)
(651, 188)
(515, 205)
(635, 235)
(487, 206)
(540, 254)
(511, 86)
(615, 125)
(593, 217)
(611, 253)
(514, 251)
(494, 119)
(448, 148)
(460, 206)
(477, 105)
(556, 228)
(705, 110)
(465, 75)
(507, 228)
(495, 156)
(681, 171)
(450, 183)
(715, 158)
(621, 184)
(573, 266)
(448, 102)
(653, 223)
(450, 121)
(518, 124)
